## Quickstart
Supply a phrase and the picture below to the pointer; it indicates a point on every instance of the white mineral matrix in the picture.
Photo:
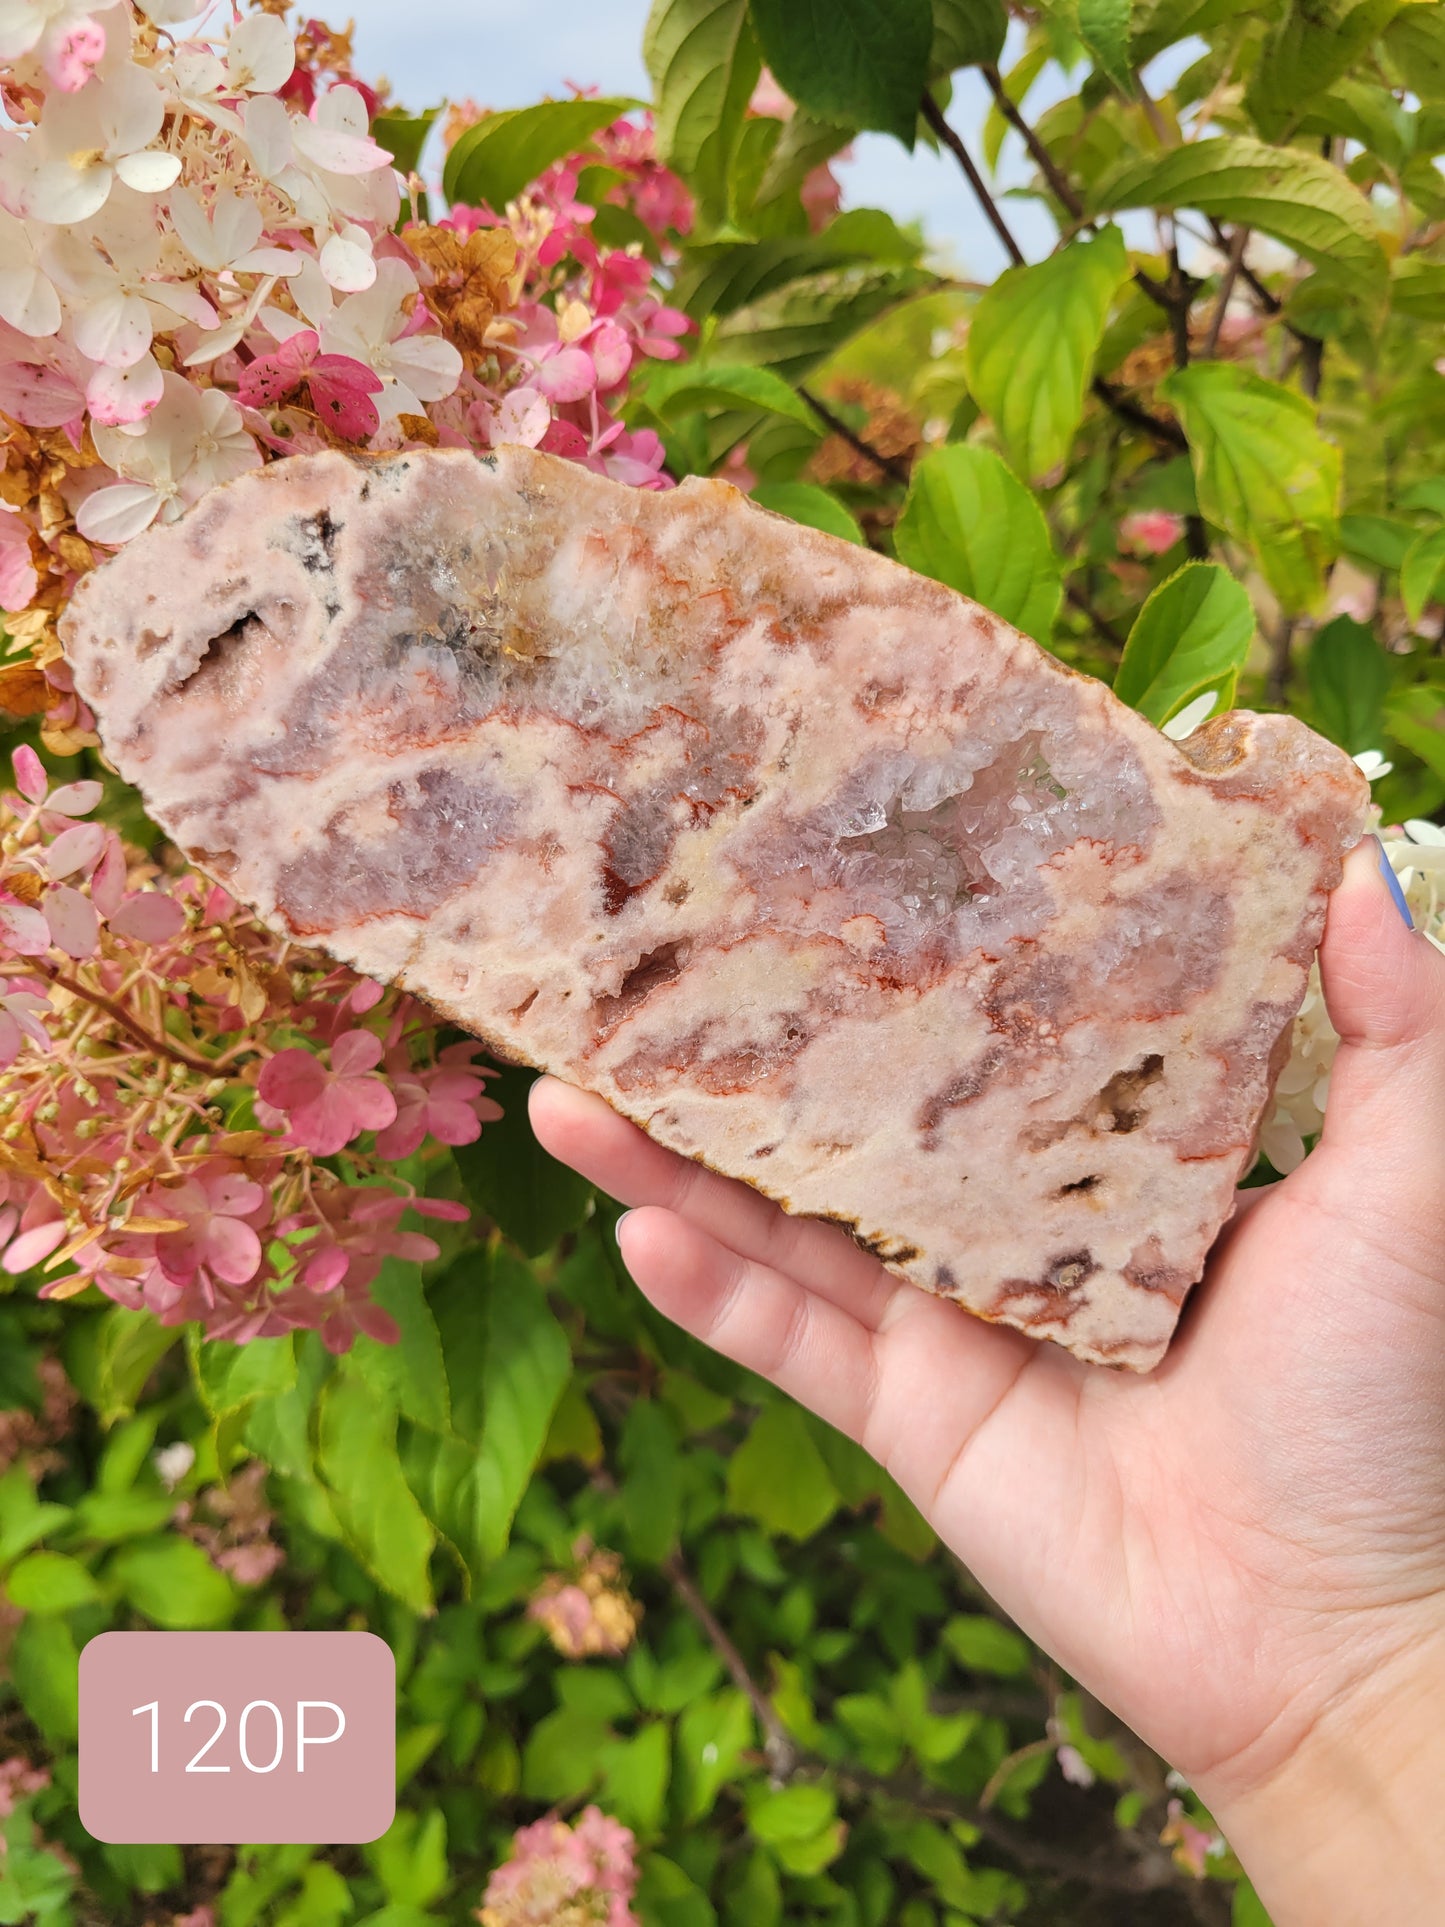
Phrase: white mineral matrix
(816, 870)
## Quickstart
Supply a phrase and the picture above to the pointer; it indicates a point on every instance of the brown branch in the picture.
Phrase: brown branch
(889, 464)
(1043, 159)
(162, 1046)
(1226, 289)
(782, 1754)
(1271, 302)
(1100, 621)
(1281, 642)
(933, 114)
(1164, 430)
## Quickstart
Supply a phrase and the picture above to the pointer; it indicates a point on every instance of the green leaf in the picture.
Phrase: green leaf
(984, 1645)
(507, 1363)
(712, 1736)
(777, 1475)
(635, 1775)
(1416, 718)
(1031, 347)
(45, 1670)
(231, 1377)
(666, 1897)
(703, 59)
(1248, 1909)
(50, 1582)
(23, 1517)
(1348, 677)
(790, 1812)
(148, 1866)
(968, 522)
(403, 135)
(512, 1180)
(966, 33)
(1381, 540)
(1191, 636)
(410, 1858)
(652, 1485)
(504, 152)
(173, 1583)
(384, 1525)
(1264, 472)
(679, 387)
(861, 62)
(1104, 29)
(110, 1358)
(1296, 196)
(1415, 50)
(1421, 572)
(1308, 49)
(562, 1756)
(814, 507)
(805, 143)
(110, 1517)
(796, 326)
(411, 1374)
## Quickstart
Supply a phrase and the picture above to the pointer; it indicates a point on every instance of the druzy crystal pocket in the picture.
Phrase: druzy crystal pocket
(821, 873)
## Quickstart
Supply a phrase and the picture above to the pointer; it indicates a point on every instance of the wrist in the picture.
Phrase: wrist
(1345, 1831)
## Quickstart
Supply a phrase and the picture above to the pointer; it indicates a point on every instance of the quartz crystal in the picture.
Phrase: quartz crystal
(822, 874)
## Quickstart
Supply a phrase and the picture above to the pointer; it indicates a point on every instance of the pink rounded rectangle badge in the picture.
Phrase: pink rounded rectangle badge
(237, 1738)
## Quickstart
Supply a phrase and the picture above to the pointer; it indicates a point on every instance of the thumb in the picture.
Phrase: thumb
(1384, 986)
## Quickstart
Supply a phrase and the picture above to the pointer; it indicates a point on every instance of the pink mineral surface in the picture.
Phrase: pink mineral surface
(819, 872)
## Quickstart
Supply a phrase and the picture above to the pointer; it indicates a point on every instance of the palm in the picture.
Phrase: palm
(1194, 1545)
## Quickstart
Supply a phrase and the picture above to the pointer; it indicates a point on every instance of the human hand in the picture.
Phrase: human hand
(1243, 1553)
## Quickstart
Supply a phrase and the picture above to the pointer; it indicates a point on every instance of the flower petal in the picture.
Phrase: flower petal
(148, 917)
(74, 926)
(150, 172)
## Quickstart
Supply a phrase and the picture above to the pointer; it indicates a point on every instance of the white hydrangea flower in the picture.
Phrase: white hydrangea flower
(62, 34)
(194, 439)
(88, 141)
(1418, 859)
(28, 300)
(371, 328)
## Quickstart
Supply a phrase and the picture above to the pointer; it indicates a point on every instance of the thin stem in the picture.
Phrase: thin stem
(1270, 302)
(933, 114)
(1043, 159)
(1280, 645)
(1100, 621)
(162, 1046)
(1226, 289)
(889, 464)
(782, 1754)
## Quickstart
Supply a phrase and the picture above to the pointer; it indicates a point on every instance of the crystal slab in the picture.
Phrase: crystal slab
(819, 872)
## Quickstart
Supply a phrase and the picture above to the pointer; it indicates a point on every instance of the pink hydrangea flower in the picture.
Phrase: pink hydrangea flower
(1153, 530)
(220, 1209)
(444, 1101)
(589, 1870)
(322, 1108)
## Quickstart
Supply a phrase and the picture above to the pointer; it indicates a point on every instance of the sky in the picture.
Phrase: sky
(504, 53)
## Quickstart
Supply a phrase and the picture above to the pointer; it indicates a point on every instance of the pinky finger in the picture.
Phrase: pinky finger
(808, 1347)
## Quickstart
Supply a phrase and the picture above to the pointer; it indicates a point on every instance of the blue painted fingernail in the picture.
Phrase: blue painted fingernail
(1388, 873)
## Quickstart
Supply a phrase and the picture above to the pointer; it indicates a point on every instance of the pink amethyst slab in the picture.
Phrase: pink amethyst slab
(819, 872)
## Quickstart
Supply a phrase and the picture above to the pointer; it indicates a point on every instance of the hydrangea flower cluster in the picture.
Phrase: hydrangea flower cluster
(1416, 852)
(200, 270)
(196, 1116)
(590, 1615)
(561, 1876)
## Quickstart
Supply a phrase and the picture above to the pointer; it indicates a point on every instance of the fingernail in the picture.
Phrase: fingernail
(617, 1228)
(1388, 873)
